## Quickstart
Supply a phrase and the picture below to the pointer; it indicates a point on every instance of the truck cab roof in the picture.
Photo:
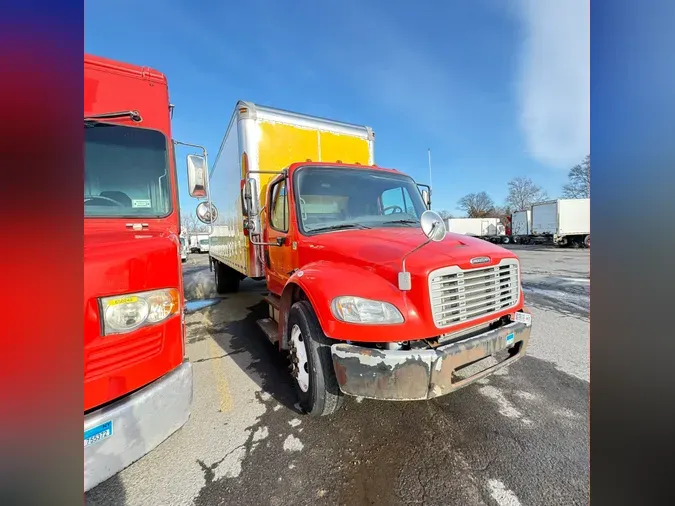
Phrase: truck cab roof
(142, 72)
(338, 164)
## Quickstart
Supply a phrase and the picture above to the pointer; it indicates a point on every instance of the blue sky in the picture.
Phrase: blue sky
(495, 88)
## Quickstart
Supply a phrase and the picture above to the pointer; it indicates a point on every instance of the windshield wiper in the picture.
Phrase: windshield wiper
(408, 220)
(134, 115)
(340, 227)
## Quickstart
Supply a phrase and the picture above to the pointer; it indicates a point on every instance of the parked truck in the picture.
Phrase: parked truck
(183, 250)
(488, 229)
(203, 243)
(521, 225)
(137, 379)
(565, 222)
(368, 295)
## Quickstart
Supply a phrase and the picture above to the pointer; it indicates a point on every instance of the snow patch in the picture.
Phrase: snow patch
(260, 434)
(501, 494)
(505, 407)
(292, 444)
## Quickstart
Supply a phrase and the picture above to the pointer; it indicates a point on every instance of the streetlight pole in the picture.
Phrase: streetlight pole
(429, 154)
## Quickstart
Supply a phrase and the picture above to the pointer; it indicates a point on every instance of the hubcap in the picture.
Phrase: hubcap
(299, 363)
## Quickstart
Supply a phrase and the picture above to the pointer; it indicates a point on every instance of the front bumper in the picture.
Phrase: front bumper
(121, 433)
(423, 374)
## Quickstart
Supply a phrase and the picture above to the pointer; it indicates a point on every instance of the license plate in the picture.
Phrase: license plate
(98, 433)
(524, 318)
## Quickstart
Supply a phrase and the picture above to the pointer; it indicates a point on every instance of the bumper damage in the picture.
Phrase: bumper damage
(121, 433)
(423, 374)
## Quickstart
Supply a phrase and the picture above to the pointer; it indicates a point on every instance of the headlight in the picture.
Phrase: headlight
(357, 310)
(123, 313)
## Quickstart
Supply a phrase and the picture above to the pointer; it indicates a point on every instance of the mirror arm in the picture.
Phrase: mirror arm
(404, 278)
(405, 257)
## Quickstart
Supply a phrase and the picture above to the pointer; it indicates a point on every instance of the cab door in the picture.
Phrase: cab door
(278, 259)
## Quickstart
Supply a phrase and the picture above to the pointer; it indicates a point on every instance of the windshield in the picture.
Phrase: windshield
(336, 198)
(182, 241)
(125, 172)
(204, 242)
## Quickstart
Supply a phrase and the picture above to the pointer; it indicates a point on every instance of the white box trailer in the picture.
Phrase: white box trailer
(490, 229)
(203, 243)
(565, 221)
(521, 223)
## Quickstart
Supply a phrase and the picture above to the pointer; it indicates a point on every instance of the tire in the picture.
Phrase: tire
(506, 239)
(322, 395)
(227, 279)
(587, 241)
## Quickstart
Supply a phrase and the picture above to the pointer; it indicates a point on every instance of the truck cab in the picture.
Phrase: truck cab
(137, 379)
(368, 293)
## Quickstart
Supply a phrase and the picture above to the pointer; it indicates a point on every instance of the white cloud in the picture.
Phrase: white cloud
(554, 81)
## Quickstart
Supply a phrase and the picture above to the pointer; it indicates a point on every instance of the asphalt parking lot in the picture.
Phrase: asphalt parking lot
(520, 437)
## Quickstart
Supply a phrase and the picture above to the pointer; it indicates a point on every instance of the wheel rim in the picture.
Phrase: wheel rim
(300, 365)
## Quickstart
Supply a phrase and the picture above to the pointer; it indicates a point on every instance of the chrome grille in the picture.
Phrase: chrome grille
(459, 295)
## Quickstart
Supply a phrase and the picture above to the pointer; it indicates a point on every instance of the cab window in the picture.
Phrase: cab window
(397, 200)
(279, 207)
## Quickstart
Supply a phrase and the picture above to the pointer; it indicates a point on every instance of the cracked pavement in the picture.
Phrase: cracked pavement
(519, 437)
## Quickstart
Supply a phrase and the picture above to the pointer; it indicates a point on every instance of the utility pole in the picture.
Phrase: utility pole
(429, 153)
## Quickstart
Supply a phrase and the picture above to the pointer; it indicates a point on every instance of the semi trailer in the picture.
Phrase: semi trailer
(488, 229)
(562, 222)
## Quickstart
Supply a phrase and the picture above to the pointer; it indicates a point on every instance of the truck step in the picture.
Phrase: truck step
(273, 300)
(270, 328)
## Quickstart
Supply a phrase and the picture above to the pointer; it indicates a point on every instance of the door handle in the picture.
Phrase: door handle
(281, 241)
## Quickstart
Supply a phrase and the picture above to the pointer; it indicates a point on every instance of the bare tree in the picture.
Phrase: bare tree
(476, 205)
(189, 222)
(445, 214)
(523, 193)
(579, 185)
(503, 213)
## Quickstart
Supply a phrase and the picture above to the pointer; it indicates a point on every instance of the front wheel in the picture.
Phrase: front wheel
(587, 241)
(311, 362)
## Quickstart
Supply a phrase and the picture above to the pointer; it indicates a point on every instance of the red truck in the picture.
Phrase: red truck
(137, 380)
(368, 294)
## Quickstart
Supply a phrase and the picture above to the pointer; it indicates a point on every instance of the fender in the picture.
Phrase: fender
(323, 281)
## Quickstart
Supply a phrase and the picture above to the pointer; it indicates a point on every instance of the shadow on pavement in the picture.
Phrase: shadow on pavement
(526, 431)
(248, 347)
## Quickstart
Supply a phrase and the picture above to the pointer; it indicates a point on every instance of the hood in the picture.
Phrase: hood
(120, 262)
(127, 261)
(382, 249)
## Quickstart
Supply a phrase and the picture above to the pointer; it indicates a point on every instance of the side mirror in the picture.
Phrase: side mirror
(433, 226)
(207, 213)
(197, 174)
(426, 198)
(251, 197)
